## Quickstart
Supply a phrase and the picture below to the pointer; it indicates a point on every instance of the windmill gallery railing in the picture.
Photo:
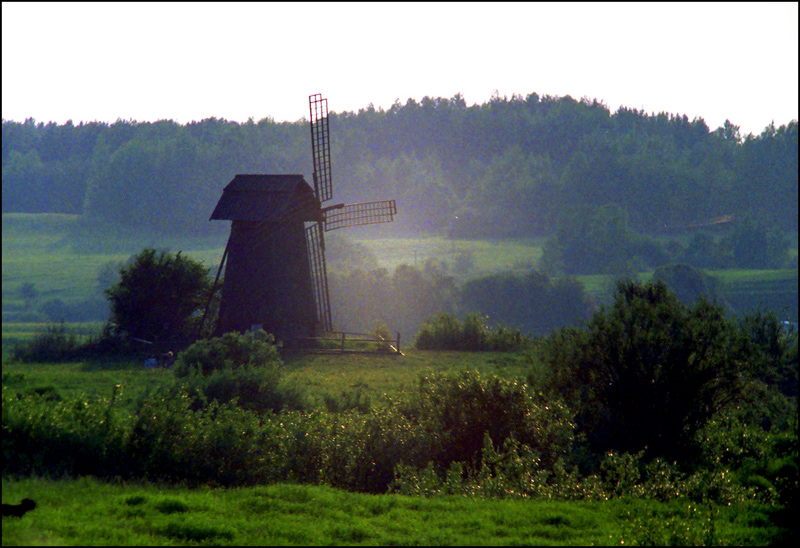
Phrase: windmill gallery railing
(352, 343)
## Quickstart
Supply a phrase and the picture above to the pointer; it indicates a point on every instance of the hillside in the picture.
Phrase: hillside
(510, 167)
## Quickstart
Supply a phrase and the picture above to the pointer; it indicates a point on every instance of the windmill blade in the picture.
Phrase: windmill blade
(320, 146)
(365, 213)
(319, 274)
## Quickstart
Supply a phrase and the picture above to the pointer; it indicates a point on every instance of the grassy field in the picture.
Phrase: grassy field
(86, 512)
(487, 255)
(380, 378)
(62, 259)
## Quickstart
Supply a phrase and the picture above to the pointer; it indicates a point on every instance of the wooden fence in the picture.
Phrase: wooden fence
(341, 342)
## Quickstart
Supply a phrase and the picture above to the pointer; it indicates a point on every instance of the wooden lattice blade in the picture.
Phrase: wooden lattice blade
(365, 213)
(320, 146)
(319, 275)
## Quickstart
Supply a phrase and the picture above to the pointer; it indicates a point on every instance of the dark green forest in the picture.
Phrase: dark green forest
(514, 167)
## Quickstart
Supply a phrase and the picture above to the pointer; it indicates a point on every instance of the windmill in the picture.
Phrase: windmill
(276, 277)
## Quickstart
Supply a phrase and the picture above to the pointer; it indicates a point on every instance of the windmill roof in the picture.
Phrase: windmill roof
(277, 198)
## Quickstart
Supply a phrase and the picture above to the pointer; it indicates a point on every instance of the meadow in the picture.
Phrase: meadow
(62, 259)
(88, 511)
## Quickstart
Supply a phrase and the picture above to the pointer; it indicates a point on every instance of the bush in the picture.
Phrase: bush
(54, 345)
(257, 389)
(159, 296)
(754, 244)
(689, 284)
(230, 351)
(237, 368)
(590, 240)
(458, 410)
(532, 302)
(648, 373)
(445, 332)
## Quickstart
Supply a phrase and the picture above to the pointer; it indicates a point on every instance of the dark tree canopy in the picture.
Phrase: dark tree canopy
(648, 372)
(159, 296)
(505, 168)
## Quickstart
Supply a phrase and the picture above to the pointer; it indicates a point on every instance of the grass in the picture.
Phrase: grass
(62, 259)
(52, 252)
(487, 255)
(87, 380)
(84, 511)
(378, 377)
(388, 377)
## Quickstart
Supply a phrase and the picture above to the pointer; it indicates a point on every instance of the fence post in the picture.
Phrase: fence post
(398, 342)
(342, 342)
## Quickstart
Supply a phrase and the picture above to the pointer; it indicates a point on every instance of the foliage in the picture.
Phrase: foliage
(257, 389)
(770, 354)
(54, 344)
(590, 240)
(232, 350)
(244, 369)
(402, 299)
(159, 296)
(445, 332)
(508, 164)
(28, 293)
(689, 284)
(648, 372)
(532, 302)
(458, 410)
(755, 244)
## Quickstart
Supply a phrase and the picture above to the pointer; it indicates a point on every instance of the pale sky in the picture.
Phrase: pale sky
(188, 61)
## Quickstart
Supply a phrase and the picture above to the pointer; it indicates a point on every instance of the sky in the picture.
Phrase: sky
(191, 61)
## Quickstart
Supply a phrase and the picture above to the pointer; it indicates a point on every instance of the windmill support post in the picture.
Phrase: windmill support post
(213, 289)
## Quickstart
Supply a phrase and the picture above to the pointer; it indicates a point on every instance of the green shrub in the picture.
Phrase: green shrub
(244, 369)
(257, 389)
(348, 400)
(458, 410)
(689, 284)
(47, 436)
(232, 350)
(445, 332)
(531, 301)
(53, 345)
(647, 373)
(159, 296)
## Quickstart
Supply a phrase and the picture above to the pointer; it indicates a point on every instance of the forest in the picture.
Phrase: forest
(517, 167)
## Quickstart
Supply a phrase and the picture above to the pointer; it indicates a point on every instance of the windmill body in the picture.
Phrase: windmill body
(276, 276)
(267, 277)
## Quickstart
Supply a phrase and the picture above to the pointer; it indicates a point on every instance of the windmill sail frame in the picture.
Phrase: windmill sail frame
(363, 213)
(320, 146)
(319, 275)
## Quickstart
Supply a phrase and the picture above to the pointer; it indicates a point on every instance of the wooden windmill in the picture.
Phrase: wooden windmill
(276, 277)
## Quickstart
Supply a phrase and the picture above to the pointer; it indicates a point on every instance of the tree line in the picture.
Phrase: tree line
(508, 167)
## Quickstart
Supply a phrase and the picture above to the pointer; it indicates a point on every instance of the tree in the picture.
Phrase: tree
(29, 293)
(590, 240)
(756, 244)
(159, 296)
(648, 373)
